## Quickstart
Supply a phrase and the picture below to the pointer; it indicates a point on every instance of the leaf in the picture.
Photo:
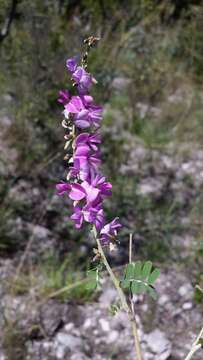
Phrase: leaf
(125, 284)
(137, 269)
(152, 292)
(139, 279)
(138, 287)
(129, 271)
(146, 269)
(93, 279)
(154, 276)
(135, 287)
(91, 285)
(143, 288)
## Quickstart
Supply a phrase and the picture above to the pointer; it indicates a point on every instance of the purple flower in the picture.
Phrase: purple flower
(85, 112)
(83, 79)
(75, 105)
(109, 231)
(92, 215)
(93, 193)
(78, 217)
(83, 172)
(95, 215)
(64, 97)
(85, 161)
(71, 64)
(75, 191)
(104, 187)
(62, 188)
(91, 140)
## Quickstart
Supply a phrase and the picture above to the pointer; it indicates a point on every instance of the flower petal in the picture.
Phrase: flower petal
(77, 192)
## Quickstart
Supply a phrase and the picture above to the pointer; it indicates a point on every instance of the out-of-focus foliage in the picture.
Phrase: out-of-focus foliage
(155, 46)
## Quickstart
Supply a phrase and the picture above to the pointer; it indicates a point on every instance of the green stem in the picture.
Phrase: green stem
(112, 276)
(122, 297)
(195, 346)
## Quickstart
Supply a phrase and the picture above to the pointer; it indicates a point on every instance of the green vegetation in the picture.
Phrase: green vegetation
(14, 342)
(60, 281)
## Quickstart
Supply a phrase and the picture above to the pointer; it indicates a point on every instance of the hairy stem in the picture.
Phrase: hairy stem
(111, 274)
(195, 346)
(135, 332)
(126, 307)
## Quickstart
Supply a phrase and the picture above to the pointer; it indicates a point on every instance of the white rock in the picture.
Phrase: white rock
(186, 291)
(112, 337)
(78, 356)
(87, 324)
(68, 341)
(163, 299)
(47, 345)
(60, 352)
(187, 306)
(158, 344)
(69, 327)
(104, 325)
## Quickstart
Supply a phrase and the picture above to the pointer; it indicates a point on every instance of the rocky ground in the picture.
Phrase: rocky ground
(55, 330)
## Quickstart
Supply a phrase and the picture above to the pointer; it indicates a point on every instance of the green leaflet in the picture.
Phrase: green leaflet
(146, 269)
(129, 271)
(154, 276)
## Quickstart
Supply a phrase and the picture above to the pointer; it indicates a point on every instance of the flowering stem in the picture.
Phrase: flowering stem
(126, 307)
(195, 346)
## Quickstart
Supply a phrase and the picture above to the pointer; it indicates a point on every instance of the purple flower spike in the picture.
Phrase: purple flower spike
(71, 64)
(87, 188)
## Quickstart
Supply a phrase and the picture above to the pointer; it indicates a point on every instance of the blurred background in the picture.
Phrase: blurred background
(149, 68)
